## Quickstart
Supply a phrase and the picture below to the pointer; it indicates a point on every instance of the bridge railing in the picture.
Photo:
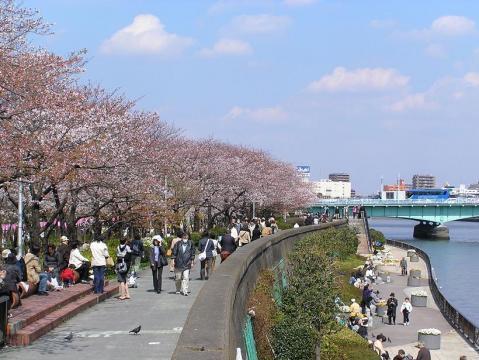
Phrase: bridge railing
(379, 202)
(461, 323)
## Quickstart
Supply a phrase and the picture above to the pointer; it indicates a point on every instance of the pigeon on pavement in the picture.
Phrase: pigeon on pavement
(135, 330)
(69, 337)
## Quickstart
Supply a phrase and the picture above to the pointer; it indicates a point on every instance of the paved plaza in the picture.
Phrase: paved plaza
(101, 332)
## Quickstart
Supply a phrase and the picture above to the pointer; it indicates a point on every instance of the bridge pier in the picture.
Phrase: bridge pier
(431, 230)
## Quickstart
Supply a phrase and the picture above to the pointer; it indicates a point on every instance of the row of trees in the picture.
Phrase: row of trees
(83, 152)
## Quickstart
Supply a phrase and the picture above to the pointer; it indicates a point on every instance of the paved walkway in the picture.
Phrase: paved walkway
(358, 225)
(405, 337)
(101, 332)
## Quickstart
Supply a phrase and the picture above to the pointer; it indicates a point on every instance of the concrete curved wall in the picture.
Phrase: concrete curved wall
(214, 327)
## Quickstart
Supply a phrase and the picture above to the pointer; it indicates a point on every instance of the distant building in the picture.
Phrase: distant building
(353, 193)
(304, 172)
(343, 177)
(402, 186)
(329, 189)
(423, 182)
(393, 195)
(463, 191)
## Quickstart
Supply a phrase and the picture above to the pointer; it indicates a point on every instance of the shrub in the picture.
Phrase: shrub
(195, 237)
(218, 231)
(344, 345)
(377, 238)
(294, 339)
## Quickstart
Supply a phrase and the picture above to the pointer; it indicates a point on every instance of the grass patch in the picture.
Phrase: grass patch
(344, 269)
(262, 302)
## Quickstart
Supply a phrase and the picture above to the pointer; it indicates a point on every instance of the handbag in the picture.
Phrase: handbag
(121, 267)
(163, 261)
(202, 255)
(110, 262)
(169, 252)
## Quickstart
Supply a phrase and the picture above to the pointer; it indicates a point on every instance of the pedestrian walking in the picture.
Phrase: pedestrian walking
(123, 257)
(244, 236)
(406, 309)
(137, 252)
(157, 262)
(99, 254)
(403, 264)
(184, 257)
(392, 305)
(169, 253)
(256, 234)
(228, 246)
(206, 248)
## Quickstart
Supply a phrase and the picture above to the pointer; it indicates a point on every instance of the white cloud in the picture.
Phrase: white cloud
(472, 78)
(361, 79)
(435, 51)
(413, 101)
(298, 2)
(453, 25)
(227, 47)
(259, 24)
(145, 35)
(264, 115)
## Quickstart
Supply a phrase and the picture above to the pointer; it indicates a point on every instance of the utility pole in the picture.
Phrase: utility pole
(20, 218)
(166, 228)
(254, 209)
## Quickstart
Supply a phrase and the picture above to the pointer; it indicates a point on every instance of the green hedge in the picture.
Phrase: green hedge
(307, 311)
(378, 239)
(345, 345)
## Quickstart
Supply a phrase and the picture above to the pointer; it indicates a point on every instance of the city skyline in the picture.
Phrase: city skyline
(369, 89)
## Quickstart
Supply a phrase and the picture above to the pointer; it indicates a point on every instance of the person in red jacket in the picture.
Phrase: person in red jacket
(68, 276)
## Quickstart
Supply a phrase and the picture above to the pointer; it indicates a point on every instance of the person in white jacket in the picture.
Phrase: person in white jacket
(99, 254)
(81, 263)
(406, 309)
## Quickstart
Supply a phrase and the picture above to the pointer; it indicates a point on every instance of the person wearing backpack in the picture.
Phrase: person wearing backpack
(123, 256)
(206, 248)
(137, 250)
(183, 257)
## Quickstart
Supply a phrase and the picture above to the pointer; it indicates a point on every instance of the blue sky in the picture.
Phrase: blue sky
(372, 88)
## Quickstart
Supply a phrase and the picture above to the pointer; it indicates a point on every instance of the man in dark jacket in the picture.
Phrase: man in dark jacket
(183, 257)
(228, 246)
(137, 252)
(423, 353)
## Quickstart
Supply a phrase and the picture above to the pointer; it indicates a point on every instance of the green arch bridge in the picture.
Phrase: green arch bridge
(437, 212)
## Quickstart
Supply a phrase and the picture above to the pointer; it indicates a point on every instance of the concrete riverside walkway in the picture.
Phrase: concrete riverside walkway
(358, 225)
(405, 337)
(101, 332)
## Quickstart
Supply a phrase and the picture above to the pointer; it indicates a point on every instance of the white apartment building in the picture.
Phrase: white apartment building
(326, 188)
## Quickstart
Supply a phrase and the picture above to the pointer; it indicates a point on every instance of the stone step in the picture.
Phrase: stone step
(36, 307)
(34, 330)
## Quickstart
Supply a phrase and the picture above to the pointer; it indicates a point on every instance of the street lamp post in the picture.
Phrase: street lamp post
(20, 219)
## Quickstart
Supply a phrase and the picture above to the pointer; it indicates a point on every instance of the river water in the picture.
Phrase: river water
(455, 261)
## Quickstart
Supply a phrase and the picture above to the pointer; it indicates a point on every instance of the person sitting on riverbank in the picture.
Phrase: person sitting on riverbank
(423, 353)
(36, 277)
(355, 309)
(379, 348)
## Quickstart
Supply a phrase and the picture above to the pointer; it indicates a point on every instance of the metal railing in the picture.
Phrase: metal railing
(461, 323)
(364, 215)
(380, 202)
